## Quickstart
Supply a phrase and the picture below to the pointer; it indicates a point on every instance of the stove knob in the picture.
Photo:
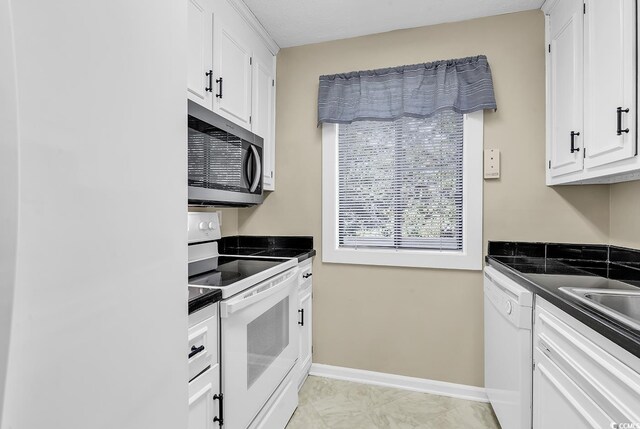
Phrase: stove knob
(212, 225)
(203, 225)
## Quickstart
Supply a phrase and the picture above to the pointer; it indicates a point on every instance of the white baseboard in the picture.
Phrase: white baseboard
(460, 391)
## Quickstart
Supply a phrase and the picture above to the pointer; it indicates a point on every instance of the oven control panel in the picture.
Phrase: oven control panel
(203, 226)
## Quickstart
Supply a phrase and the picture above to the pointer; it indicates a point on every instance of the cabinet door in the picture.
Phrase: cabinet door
(305, 323)
(610, 81)
(203, 407)
(263, 115)
(233, 64)
(559, 403)
(200, 52)
(565, 87)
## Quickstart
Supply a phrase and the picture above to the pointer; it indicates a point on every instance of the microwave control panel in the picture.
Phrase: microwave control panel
(203, 226)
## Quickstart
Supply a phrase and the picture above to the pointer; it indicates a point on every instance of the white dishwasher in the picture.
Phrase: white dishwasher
(508, 349)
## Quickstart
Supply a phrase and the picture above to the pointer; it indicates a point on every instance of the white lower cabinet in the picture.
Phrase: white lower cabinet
(580, 379)
(559, 402)
(305, 321)
(204, 369)
(204, 394)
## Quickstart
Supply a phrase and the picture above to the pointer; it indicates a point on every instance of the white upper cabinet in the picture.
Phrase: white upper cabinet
(232, 70)
(610, 108)
(200, 51)
(591, 91)
(264, 98)
(232, 65)
(565, 48)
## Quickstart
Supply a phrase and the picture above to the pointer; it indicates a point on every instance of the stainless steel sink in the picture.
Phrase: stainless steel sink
(622, 305)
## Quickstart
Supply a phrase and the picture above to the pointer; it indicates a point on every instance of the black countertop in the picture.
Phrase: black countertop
(200, 298)
(300, 247)
(543, 268)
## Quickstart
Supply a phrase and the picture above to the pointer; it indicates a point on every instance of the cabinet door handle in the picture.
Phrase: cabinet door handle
(209, 74)
(195, 350)
(219, 82)
(306, 276)
(219, 420)
(620, 111)
(573, 137)
(301, 311)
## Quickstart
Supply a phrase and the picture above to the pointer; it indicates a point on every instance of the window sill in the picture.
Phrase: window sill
(455, 260)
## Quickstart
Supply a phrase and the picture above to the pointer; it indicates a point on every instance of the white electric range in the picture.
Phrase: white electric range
(258, 315)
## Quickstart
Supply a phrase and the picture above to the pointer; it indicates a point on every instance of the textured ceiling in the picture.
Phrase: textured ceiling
(300, 22)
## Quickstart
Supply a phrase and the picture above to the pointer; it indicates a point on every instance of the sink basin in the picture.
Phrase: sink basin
(622, 305)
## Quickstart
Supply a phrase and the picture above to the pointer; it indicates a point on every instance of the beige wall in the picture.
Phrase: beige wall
(625, 213)
(422, 322)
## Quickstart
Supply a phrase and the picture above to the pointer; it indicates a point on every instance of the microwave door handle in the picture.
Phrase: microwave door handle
(237, 304)
(247, 167)
(257, 170)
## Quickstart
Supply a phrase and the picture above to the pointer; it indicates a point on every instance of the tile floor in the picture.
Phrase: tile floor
(335, 404)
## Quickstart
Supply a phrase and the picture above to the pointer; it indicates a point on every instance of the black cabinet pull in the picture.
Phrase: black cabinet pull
(620, 111)
(219, 82)
(220, 419)
(209, 74)
(306, 276)
(573, 137)
(301, 311)
(195, 350)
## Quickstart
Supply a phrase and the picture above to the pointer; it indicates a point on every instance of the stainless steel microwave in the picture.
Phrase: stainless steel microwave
(225, 161)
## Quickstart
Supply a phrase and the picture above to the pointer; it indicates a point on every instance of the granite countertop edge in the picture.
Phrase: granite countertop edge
(601, 324)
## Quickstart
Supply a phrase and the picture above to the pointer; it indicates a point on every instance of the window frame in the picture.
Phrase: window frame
(470, 258)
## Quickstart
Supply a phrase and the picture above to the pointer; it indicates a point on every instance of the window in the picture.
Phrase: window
(406, 192)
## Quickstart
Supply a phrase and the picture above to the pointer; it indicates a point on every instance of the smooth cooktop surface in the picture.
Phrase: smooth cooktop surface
(224, 270)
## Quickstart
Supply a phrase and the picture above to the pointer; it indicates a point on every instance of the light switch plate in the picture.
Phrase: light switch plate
(491, 164)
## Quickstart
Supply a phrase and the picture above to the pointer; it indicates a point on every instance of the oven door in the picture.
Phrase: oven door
(259, 345)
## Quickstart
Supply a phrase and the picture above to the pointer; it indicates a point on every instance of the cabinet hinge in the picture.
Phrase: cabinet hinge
(584, 152)
(273, 82)
(250, 60)
(311, 349)
(549, 47)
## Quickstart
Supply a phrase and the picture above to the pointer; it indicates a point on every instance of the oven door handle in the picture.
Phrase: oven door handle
(286, 281)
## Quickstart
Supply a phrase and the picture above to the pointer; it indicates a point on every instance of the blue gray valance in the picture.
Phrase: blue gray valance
(420, 90)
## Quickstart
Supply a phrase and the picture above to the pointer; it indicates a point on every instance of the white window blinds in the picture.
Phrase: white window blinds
(400, 183)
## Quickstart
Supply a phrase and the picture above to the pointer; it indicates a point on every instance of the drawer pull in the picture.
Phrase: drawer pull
(306, 276)
(195, 350)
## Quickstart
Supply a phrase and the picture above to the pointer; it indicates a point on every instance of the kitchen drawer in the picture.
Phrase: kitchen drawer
(611, 383)
(203, 344)
(305, 274)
